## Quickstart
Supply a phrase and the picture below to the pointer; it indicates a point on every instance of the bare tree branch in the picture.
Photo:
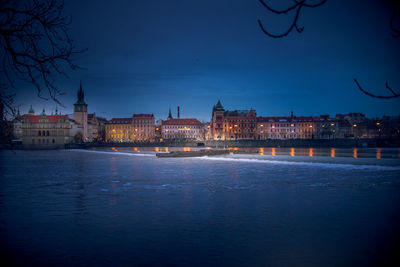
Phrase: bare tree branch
(297, 7)
(395, 95)
(395, 31)
(35, 45)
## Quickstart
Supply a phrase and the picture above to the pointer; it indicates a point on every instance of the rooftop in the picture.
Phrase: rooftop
(181, 122)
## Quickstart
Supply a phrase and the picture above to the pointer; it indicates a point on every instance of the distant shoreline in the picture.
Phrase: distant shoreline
(296, 143)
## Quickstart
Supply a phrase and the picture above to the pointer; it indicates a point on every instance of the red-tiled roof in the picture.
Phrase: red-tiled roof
(142, 115)
(51, 118)
(120, 121)
(181, 122)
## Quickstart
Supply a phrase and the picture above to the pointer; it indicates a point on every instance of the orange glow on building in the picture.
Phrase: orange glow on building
(355, 153)
(311, 152)
(166, 149)
(235, 148)
(113, 148)
(135, 148)
(273, 152)
(157, 149)
(332, 152)
(186, 149)
(292, 151)
(378, 153)
(261, 151)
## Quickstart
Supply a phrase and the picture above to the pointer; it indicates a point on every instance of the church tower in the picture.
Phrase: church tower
(81, 112)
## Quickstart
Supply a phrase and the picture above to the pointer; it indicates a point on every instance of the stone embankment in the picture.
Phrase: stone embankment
(338, 143)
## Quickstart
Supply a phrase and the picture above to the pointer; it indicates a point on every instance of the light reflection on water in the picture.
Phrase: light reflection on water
(133, 210)
(355, 153)
(378, 153)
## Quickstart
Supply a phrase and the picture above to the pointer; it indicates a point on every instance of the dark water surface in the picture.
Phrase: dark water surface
(104, 208)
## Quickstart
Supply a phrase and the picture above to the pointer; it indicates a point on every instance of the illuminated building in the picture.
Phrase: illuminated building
(41, 131)
(45, 131)
(217, 128)
(158, 137)
(207, 131)
(325, 127)
(276, 128)
(233, 125)
(143, 128)
(119, 130)
(305, 127)
(182, 129)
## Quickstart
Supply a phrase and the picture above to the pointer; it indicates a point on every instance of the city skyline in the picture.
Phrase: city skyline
(61, 110)
(153, 57)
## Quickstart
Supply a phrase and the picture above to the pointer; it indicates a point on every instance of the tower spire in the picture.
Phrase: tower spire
(169, 114)
(31, 111)
(81, 95)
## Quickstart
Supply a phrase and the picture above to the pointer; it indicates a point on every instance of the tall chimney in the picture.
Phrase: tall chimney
(178, 113)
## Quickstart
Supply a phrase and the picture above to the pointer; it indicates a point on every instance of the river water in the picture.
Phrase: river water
(129, 207)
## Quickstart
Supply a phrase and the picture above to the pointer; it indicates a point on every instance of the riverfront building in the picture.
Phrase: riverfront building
(143, 128)
(45, 131)
(119, 130)
(182, 130)
(233, 125)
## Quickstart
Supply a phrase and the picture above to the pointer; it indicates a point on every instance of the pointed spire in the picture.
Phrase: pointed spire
(56, 110)
(219, 106)
(81, 95)
(31, 111)
(169, 114)
(43, 112)
(18, 113)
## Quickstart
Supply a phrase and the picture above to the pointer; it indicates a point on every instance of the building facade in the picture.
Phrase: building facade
(233, 125)
(119, 130)
(45, 130)
(143, 126)
(182, 130)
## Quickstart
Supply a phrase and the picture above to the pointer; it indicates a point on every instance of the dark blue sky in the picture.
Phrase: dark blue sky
(147, 56)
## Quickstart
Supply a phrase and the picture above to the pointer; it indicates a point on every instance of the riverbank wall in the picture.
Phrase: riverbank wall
(256, 143)
(315, 143)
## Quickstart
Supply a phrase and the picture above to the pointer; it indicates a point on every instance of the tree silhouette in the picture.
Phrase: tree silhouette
(297, 8)
(35, 47)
